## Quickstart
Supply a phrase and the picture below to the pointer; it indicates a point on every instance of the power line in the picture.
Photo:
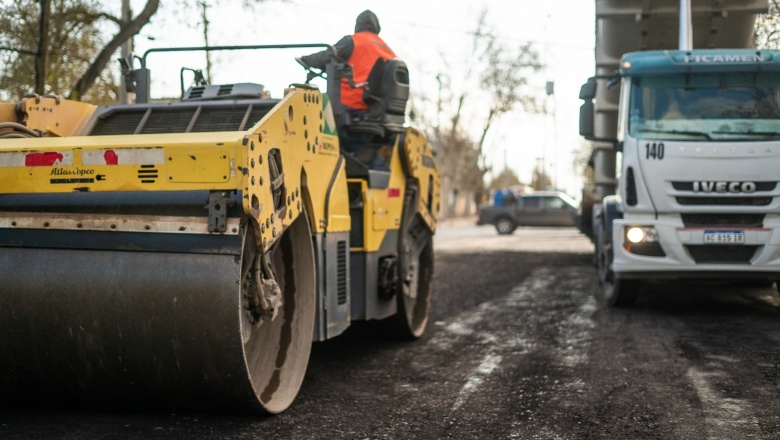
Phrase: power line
(445, 29)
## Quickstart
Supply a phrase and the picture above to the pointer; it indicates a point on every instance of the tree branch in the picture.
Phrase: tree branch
(125, 32)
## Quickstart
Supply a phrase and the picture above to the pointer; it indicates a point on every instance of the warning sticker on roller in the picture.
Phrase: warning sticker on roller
(36, 159)
(124, 156)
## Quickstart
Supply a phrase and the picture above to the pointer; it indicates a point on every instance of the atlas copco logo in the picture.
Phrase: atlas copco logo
(723, 187)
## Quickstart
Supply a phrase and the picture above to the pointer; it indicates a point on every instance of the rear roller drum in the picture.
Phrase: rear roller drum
(186, 326)
(277, 320)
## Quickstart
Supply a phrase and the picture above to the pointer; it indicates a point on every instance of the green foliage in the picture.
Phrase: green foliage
(74, 41)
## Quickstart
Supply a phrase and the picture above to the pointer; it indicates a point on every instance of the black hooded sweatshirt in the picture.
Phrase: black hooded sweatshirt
(367, 21)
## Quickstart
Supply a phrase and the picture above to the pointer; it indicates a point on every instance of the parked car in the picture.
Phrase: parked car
(540, 208)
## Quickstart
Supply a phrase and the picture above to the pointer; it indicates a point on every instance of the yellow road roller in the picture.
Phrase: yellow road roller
(188, 253)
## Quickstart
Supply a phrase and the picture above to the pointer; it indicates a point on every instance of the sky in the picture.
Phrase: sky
(431, 36)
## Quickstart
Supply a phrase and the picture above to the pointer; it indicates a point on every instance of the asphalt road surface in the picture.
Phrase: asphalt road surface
(519, 347)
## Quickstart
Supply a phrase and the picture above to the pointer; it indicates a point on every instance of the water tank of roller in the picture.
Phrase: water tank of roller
(225, 92)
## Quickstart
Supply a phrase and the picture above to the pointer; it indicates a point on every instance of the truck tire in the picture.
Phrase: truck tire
(620, 293)
(505, 226)
(614, 292)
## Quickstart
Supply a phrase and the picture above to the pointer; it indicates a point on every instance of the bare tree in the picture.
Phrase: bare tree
(540, 179)
(60, 46)
(70, 54)
(49, 55)
(506, 80)
(502, 73)
(505, 179)
(767, 32)
(125, 32)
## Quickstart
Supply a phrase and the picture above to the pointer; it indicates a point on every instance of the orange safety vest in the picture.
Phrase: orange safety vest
(368, 47)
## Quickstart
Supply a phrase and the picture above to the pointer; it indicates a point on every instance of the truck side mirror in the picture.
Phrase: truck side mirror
(586, 120)
(588, 90)
(587, 93)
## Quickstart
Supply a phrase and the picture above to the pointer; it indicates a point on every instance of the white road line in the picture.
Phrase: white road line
(575, 329)
(489, 364)
(724, 417)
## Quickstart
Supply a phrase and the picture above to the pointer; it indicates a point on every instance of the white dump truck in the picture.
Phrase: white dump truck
(693, 192)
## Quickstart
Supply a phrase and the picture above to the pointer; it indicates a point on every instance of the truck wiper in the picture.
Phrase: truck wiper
(749, 133)
(688, 132)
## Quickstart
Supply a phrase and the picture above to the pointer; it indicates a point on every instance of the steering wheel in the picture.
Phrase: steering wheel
(311, 72)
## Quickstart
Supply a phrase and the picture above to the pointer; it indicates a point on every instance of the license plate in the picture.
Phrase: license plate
(724, 237)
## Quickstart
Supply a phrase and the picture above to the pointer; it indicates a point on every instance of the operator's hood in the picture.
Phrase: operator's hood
(738, 177)
(367, 21)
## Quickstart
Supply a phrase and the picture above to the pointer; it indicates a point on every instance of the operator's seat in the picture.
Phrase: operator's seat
(386, 95)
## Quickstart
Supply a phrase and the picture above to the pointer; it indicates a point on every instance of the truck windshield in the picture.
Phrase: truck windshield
(706, 107)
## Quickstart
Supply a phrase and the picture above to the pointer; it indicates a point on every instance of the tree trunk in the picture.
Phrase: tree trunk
(42, 56)
(481, 144)
(126, 31)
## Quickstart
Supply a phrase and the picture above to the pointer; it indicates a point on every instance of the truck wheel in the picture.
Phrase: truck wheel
(614, 292)
(505, 226)
(620, 293)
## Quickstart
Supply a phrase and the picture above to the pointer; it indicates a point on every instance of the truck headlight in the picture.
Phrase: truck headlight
(641, 234)
(643, 240)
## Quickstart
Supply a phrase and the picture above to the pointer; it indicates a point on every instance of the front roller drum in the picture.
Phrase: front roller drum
(415, 281)
(164, 329)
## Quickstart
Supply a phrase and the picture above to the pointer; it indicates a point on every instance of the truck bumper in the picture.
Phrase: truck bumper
(686, 255)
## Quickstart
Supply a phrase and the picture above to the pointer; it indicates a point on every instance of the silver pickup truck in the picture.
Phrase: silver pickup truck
(540, 208)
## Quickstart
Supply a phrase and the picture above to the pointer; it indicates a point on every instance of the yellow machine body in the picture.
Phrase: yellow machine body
(218, 161)
(148, 255)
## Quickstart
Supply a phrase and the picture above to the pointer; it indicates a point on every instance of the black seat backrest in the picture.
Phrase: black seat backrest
(395, 86)
(387, 93)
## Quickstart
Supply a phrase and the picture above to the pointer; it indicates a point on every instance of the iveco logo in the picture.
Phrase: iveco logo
(722, 187)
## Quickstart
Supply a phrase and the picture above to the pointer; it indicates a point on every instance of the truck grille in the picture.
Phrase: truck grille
(724, 201)
(722, 254)
(736, 220)
(713, 198)
(760, 186)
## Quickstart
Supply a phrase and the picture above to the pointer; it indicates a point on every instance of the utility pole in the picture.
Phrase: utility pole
(204, 7)
(126, 50)
(41, 59)
(550, 89)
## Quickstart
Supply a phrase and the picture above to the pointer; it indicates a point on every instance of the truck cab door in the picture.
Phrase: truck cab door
(530, 211)
(556, 212)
